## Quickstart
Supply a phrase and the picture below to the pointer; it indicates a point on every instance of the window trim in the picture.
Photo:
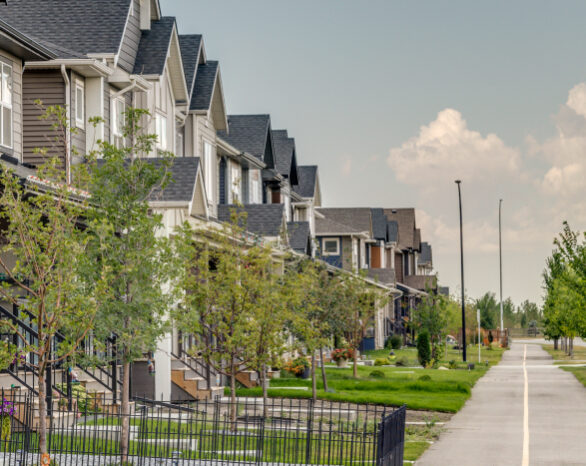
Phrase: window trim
(114, 117)
(160, 117)
(208, 170)
(326, 253)
(7, 105)
(80, 122)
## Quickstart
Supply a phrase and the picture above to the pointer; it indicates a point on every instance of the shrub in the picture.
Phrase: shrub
(423, 348)
(396, 342)
(453, 364)
(425, 378)
(377, 374)
(381, 362)
(402, 361)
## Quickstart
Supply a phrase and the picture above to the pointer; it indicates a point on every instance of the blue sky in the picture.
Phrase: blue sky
(490, 83)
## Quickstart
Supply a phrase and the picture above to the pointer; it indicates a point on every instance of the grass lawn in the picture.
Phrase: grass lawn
(418, 388)
(558, 355)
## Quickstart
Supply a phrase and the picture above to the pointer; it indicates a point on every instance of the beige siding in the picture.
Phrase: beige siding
(47, 86)
(16, 103)
(346, 251)
(107, 113)
(205, 131)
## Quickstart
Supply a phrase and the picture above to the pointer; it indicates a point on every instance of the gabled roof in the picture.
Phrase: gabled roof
(358, 218)
(252, 134)
(205, 81)
(425, 257)
(19, 44)
(285, 155)
(405, 219)
(262, 219)
(379, 224)
(87, 26)
(299, 236)
(307, 181)
(154, 47)
(191, 51)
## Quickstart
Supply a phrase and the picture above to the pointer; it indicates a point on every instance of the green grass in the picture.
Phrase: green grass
(414, 449)
(559, 355)
(446, 391)
(579, 373)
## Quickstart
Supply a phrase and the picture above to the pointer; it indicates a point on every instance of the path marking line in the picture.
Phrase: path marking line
(525, 412)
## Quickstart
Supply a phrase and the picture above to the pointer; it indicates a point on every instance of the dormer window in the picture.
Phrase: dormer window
(6, 105)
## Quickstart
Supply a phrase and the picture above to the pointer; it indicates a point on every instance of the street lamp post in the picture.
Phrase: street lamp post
(458, 182)
(501, 263)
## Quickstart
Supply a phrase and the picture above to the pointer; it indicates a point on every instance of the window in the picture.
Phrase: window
(179, 144)
(234, 183)
(6, 105)
(118, 122)
(79, 105)
(161, 130)
(208, 172)
(255, 186)
(331, 247)
(287, 207)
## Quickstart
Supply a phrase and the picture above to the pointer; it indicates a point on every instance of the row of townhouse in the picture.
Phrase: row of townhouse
(98, 59)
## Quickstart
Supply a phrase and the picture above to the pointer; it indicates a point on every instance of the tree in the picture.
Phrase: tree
(489, 309)
(423, 348)
(41, 254)
(128, 255)
(226, 299)
(431, 316)
(358, 303)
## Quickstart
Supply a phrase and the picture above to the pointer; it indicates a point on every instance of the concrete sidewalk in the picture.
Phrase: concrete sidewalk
(490, 429)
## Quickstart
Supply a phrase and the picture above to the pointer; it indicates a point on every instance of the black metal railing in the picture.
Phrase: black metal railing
(391, 439)
(198, 366)
(285, 431)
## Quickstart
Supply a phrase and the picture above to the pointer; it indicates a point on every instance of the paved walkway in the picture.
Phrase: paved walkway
(524, 411)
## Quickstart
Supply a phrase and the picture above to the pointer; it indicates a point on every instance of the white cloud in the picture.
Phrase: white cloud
(577, 99)
(346, 167)
(447, 149)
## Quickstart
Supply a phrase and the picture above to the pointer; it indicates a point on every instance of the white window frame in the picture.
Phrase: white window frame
(235, 183)
(79, 120)
(6, 104)
(161, 131)
(254, 186)
(330, 253)
(208, 156)
(117, 136)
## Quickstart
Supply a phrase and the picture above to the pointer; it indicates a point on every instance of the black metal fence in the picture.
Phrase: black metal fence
(284, 431)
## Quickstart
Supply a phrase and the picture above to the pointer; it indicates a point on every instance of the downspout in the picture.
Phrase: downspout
(67, 128)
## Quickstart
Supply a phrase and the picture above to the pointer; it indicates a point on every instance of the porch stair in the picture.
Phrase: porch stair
(188, 374)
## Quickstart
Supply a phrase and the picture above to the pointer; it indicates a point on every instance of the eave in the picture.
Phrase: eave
(88, 67)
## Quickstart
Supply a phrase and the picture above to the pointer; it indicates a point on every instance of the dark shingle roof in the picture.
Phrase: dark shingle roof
(88, 26)
(384, 276)
(299, 235)
(204, 85)
(379, 224)
(190, 51)
(284, 151)
(262, 219)
(307, 178)
(405, 218)
(327, 226)
(425, 256)
(358, 218)
(250, 133)
(392, 231)
(154, 46)
(183, 171)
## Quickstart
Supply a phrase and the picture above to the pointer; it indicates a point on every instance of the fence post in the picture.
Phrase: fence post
(309, 432)
(49, 389)
(380, 441)
(113, 370)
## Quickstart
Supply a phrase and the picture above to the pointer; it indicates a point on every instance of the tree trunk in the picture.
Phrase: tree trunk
(233, 410)
(125, 409)
(323, 369)
(555, 343)
(355, 364)
(265, 391)
(42, 413)
(571, 347)
(313, 381)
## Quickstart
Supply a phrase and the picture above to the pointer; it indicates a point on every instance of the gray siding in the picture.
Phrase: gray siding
(78, 140)
(47, 86)
(131, 39)
(107, 113)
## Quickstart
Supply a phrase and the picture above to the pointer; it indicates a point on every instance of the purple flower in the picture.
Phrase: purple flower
(7, 408)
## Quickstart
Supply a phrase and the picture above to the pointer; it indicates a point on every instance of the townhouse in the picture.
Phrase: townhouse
(97, 59)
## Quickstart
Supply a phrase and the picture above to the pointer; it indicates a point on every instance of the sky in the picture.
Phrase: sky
(394, 100)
